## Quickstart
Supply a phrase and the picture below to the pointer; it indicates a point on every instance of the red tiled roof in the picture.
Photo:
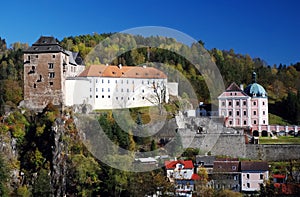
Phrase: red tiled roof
(122, 71)
(172, 164)
(195, 177)
(279, 176)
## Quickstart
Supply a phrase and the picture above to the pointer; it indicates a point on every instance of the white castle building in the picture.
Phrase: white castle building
(244, 108)
(54, 75)
(113, 87)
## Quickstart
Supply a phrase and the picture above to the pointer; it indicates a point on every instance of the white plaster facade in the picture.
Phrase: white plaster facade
(102, 87)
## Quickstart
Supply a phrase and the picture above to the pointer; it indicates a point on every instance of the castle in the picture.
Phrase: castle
(244, 108)
(53, 74)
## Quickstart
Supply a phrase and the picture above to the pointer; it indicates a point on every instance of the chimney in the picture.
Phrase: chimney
(120, 66)
(242, 87)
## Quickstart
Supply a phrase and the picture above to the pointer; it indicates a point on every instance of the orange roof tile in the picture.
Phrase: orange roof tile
(172, 164)
(123, 71)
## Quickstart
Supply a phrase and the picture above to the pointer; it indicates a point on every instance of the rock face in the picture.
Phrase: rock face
(59, 167)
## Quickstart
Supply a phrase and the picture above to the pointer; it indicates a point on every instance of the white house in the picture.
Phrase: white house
(253, 174)
(114, 87)
(181, 173)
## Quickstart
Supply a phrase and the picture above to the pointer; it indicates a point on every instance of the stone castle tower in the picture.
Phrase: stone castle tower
(46, 67)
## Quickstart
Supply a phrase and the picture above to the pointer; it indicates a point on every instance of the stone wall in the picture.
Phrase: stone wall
(219, 140)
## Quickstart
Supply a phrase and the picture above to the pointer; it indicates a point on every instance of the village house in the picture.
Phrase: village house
(182, 174)
(253, 174)
(226, 174)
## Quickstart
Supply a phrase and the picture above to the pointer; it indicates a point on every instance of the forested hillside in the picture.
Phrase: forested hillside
(34, 145)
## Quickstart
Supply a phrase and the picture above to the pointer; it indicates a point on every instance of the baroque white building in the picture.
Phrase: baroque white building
(114, 87)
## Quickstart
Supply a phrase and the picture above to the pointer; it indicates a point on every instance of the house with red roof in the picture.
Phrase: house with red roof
(182, 174)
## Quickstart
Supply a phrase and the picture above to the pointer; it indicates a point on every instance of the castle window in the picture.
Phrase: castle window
(127, 90)
(143, 98)
(34, 85)
(102, 96)
(254, 113)
(127, 81)
(51, 75)
(263, 103)
(254, 103)
(108, 89)
(51, 83)
(108, 96)
(36, 56)
(116, 81)
(102, 89)
(230, 113)
(223, 103)
(230, 122)
(143, 82)
(96, 80)
(90, 89)
(244, 103)
(117, 98)
(254, 122)
(50, 65)
(264, 122)
(96, 89)
(108, 81)
(248, 185)
(245, 113)
(264, 113)
(237, 113)
(245, 122)
(229, 103)
(96, 96)
(53, 56)
(90, 96)
(102, 80)
(143, 91)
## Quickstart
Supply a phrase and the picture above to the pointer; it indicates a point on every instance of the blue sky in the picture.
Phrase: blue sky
(269, 29)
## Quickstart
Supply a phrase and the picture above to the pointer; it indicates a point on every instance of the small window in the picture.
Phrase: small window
(102, 96)
(36, 56)
(102, 89)
(117, 98)
(261, 176)
(237, 103)
(102, 80)
(50, 65)
(263, 103)
(53, 56)
(116, 81)
(230, 122)
(254, 122)
(96, 96)
(245, 122)
(254, 113)
(143, 91)
(264, 113)
(248, 185)
(254, 103)
(264, 122)
(51, 75)
(143, 98)
(230, 113)
(244, 103)
(229, 103)
(248, 176)
(108, 81)
(233, 167)
(142, 82)
(127, 90)
(96, 89)
(108, 96)
(108, 89)
(90, 89)
(34, 85)
(237, 113)
(127, 81)
(96, 80)
(90, 96)
(51, 83)
(245, 113)
(223, 103)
